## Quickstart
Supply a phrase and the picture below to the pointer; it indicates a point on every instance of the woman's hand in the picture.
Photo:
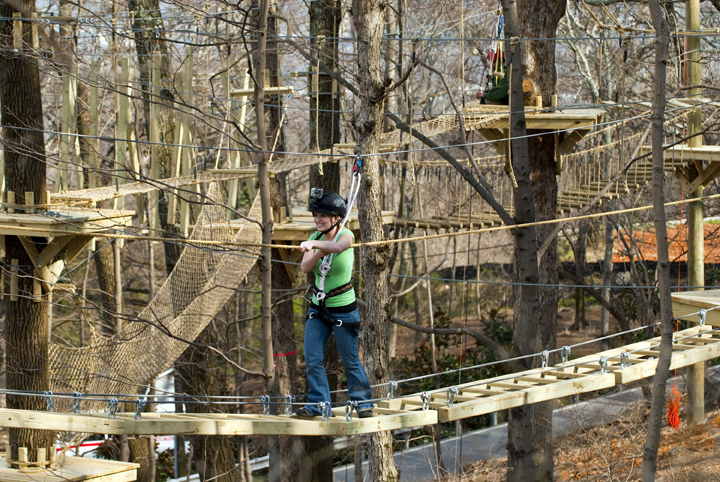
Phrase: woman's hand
(307, 246)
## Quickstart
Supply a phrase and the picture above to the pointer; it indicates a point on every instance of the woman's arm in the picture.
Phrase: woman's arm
(323, 248)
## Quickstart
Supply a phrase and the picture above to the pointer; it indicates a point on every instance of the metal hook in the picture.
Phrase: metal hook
(565, 353)
(112, 408)
(603, 365)
(50, 401)
(139, 405)
(544, 357)
(77, 397)
(425, 397)
(392, 386)
(452, 391)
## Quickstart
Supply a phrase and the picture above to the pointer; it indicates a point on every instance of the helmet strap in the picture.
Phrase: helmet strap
(332, 227)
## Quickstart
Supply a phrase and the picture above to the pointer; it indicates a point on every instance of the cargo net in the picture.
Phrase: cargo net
(204, 279)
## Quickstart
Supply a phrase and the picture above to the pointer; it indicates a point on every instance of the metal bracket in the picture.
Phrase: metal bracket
(112, 408)
(77, 397)
(452, 391)
(139, 405)
(565, 353)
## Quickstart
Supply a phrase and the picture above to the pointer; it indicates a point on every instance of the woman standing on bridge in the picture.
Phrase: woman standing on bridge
(333, 308)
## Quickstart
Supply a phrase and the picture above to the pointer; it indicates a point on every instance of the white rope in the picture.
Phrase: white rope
(327, 260)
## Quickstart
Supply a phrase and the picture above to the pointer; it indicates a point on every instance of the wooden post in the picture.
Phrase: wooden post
(188, 157)
(155, 81)
(118, 285)
(17, 32)
(696, 242)
(121, 126)
(93, 130)
(14, 280)
(10, 202)
(240, 157)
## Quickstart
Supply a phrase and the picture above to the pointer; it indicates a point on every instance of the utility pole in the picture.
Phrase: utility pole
(696, 245)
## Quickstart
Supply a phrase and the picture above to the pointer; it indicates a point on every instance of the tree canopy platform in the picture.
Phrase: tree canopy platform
(688, 305)
(67, 230)
(73, 469)
(156, 423)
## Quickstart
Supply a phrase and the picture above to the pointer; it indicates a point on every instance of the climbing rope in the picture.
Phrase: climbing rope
(326, 263)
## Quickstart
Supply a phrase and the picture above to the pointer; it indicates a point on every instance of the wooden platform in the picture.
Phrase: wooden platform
(74, 469)
(53, 222)
(693, 301)
(215, 424)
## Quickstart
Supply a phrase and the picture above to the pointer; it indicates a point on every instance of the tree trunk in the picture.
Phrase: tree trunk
(539, 20)
(652, 443)
(526, 317)
(368, 19)
(24, 155)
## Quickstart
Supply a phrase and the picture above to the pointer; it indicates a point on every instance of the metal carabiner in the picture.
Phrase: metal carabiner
(702, 316)
(452, 391)
(392, 386)
(112, 408)
(325, 411)
(425, 397)
(565, 353)
(139, 405)
(50, 401)
(77, 397)
(624, 360)
(544, 356)
(603, 365)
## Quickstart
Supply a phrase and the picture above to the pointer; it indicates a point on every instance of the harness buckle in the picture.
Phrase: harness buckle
(337, 322)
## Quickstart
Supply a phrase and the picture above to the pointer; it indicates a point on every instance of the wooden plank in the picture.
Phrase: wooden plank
(527, 395)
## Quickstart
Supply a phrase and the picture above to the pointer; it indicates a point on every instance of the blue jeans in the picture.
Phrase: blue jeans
(317, 334)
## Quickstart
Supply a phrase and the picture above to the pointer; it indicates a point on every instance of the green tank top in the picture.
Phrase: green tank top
(340, 273)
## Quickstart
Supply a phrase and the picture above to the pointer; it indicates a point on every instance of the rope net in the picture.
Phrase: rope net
(201, 283)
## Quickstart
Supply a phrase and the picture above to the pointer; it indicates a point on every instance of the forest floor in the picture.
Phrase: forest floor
(613, 452)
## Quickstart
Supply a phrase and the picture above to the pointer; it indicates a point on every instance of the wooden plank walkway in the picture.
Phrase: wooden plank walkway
(74, 469)
(215, 423)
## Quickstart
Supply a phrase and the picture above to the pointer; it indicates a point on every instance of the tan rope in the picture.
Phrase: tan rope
(357, 245)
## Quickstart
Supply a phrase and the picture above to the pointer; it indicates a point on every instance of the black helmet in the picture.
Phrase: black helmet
(328, 203)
